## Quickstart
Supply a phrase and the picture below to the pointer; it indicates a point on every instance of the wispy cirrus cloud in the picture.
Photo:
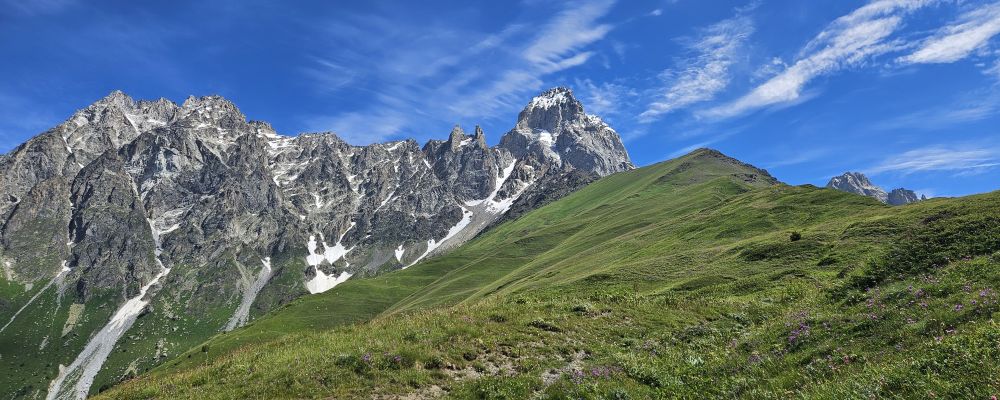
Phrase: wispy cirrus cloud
(607, 99)
(360, 127)
(35, 7)
(707, 73)
(20, 118)
(954, 42)
(445, 71)
(849, 41)
(560, 44)
(962, 160)
(977, 105)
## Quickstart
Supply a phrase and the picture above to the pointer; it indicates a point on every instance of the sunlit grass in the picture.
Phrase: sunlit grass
(679, 280)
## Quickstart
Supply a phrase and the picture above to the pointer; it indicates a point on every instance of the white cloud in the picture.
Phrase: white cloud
(569, 31)
(330, 75)
(994, 70)
(965, 160)
(954, 42)
(973, 106)
(21, 118)
(558, 46)
(685, 150)
(849, 41)
(706, 74)
(36, 7)
(443, 73)
(605, 99)
(656, 13)
(359, 128)
(797, 156)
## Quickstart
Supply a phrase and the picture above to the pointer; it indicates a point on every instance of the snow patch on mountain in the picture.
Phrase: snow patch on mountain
(433, 244)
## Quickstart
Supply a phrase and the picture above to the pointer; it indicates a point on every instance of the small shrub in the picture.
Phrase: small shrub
(498, 387)
(795, 236)
(204, 348)
(498, 318)
(545, 326)
(353, 363)
(435, 362)
(618, 394)
(826, 261)
(397, 361)
(582, 308)
(479, 367)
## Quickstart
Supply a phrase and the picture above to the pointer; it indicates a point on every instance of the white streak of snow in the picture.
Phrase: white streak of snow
(242, 313)
(74, 382)
(434, 244)
(60, 275)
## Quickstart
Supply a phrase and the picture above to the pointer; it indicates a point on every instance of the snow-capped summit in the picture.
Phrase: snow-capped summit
(549, 110)
(555, 127)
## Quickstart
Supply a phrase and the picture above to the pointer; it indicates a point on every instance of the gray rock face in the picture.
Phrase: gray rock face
(554, 127)
(247, 218)
(858, 183)
(900, 196)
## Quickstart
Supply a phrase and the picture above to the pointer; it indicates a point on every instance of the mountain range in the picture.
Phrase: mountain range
(199, 220)
(858, 183)
(160, 250)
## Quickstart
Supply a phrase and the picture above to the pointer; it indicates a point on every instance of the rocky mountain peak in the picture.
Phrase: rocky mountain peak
(554, 127)
(213, 117)
(457, 138)
(858, 183)
(900, 196)
(116, 98)
(213, 105)
(550, 110)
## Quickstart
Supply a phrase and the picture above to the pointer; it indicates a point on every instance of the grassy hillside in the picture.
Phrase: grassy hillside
(680, 279)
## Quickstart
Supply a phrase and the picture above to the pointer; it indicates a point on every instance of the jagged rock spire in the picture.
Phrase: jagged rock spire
(456, 137)
(480, 137)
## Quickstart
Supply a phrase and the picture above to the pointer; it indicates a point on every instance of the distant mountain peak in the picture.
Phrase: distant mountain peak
(858, 183)
(902, 196)
(116, 97)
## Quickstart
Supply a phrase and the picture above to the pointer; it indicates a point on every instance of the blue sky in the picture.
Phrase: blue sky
(907, 91)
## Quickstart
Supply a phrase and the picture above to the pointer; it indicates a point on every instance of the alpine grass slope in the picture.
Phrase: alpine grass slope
(699, 277)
